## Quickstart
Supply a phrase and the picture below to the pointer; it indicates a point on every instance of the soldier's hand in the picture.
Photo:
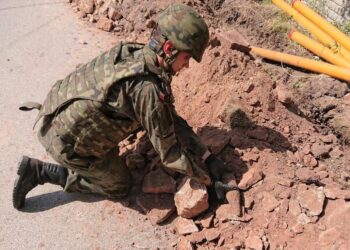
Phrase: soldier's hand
(221, 189)
(216, 167)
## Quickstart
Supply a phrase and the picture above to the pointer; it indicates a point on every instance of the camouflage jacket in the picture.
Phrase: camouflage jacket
(124, 89)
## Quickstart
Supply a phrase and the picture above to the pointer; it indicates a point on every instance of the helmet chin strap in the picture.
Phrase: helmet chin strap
(156, 43)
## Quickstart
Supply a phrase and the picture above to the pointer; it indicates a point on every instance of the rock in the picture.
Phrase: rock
(323, 174)
(158, 207)
(333, 191)
(311, 198)
(336, 153)
(329, 139)
(254, 242)
(303, 219)
(105, 24)
(337, 220)
(207, 220)
(86, 6)
(114, 13)
(307, 149)
(285, 182)
(305, 175)
(211, 234)
(225, 212)
(310, 161)
(135, 161)
(298, 228)
(158, 182)
(191, 199)
(184, 244)
(320, 150)
(284, 95)
(294, 207)
(251, 177)
(234, 199)
(185, 226)
(269, 202)
(196, 237)
(248, 202)
(258, 133)
(250, 157)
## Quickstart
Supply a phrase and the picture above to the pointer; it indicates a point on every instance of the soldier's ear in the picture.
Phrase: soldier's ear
(168, 47)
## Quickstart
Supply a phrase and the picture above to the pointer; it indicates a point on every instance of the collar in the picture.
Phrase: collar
(153, 66)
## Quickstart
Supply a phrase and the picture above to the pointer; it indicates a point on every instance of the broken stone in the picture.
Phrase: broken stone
(254, 242)
(258, 133)
(113, 13)
(135, 161)
(336, 153)
(250, 157)
(206, 221)
(158, 207)
(225, 212)
(333, 191)
(303, 219)
(329, 139)
(251, 177)
(320, 150)
(211, 234)
(294, 207)
(158, 182)
(185, 226)
(310, 161)
(311, 198)
(86, 6)
(248, 202)
(285, 182)
(323, 174)
(305, 175)
(307, 149)
(269, 202)
(298, 229)
(234, 199)
(105, 24)
(191, 199)
(284, 95)
(184, 244)
(196, 237)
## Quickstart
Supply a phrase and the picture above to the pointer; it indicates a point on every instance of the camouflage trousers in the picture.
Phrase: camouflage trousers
(107, 176)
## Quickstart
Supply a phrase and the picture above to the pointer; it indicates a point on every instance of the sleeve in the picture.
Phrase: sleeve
(163, 126)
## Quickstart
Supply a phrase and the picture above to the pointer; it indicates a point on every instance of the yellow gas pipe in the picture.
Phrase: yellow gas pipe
(330, 29)
(318, 49)
(323, 37)
(301, 62)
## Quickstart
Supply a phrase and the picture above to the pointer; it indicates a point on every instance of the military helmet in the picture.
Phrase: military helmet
(185, 28)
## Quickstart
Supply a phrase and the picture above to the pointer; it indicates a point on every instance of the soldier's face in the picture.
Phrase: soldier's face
(182, 61)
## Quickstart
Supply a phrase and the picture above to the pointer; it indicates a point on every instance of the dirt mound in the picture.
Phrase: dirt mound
(283, 132)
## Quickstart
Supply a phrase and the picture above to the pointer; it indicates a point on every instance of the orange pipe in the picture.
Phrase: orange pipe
(301, 62)
(318, 49)
(323, 37)
(330, 29)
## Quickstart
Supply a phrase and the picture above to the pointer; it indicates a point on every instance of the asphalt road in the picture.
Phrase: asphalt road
(42, 41)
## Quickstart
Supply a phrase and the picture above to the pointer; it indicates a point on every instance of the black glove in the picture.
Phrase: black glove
(217, 168)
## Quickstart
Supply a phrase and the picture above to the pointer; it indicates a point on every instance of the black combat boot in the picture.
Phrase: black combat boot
(32, 172)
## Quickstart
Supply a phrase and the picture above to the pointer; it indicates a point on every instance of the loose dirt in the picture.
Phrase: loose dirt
(284, 132)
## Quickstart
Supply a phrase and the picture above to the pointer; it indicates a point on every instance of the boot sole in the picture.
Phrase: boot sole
(21, 168)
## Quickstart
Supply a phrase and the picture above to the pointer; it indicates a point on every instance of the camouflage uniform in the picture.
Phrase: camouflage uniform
(89, 112)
